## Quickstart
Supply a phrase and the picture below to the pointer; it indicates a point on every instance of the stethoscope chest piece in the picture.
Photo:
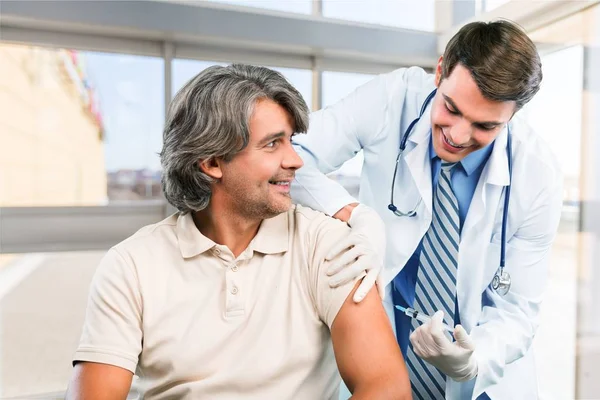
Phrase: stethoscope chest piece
(501, 282)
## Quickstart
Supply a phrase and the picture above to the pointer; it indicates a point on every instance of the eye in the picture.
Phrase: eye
(272, 144)
(451, 111)
(486, 127)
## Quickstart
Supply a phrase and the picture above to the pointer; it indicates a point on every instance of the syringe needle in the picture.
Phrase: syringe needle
(419, 316)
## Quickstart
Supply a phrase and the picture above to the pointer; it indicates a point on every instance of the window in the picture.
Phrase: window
(563, 79)
(131, 90)
(295, 6)
(184, 70)
(78, 128)
(490, 5)
(336, 85)
(418, 15)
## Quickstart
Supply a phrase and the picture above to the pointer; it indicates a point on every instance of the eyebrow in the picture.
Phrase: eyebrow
(455, 109)
(271, 137)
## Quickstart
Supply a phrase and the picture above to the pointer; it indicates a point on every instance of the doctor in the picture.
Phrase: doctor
(438, 165)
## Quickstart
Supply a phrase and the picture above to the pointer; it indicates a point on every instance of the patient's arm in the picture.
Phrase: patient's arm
(95, 381)
(368, 357)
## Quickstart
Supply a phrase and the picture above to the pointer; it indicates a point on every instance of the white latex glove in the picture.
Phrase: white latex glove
(455, 359)
(362, 250)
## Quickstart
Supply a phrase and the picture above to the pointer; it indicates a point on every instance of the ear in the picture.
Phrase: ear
(438, 72)
(211, 167)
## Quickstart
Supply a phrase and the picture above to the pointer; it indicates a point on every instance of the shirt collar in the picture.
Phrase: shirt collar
(472, 161)
(191, 241)
(271, 238)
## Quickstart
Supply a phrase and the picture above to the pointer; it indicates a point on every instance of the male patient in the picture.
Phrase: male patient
(230, 298)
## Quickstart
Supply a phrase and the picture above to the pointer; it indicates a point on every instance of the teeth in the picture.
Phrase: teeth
(281, 183)
(452, 144)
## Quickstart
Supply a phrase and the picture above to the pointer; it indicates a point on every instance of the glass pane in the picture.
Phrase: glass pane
(336, 85)
(78, 128)
(302, 81)
(184, 70)
(409, 14)
(489, 5)
(131, 89)
(296, 6)
(563, 79)
(42, 308)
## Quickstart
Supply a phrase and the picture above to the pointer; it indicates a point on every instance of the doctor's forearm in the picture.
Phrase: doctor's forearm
(344, 213)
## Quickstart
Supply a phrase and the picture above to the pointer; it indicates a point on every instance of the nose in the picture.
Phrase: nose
(461, 132)
(291, 159)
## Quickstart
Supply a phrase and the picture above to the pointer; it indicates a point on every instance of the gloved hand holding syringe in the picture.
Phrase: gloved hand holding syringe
(419, 316)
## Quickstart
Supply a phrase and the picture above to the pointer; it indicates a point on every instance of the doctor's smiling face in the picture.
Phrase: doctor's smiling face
(462, 119)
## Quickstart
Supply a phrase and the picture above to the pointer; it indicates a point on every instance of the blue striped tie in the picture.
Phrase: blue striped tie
(436, 281)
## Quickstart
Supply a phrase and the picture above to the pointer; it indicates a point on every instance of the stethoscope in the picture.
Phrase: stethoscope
(501, 282)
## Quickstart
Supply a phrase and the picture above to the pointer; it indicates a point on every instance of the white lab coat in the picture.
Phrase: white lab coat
(373, 118)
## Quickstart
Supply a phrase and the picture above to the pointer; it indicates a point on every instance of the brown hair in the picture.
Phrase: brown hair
(501, 58)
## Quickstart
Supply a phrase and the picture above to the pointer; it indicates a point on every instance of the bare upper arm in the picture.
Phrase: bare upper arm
(95, 381)
(367, 355)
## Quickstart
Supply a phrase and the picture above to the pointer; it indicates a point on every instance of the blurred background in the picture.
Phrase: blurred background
(83, 90)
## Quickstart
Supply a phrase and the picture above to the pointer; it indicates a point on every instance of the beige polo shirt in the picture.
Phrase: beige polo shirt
(194, 322)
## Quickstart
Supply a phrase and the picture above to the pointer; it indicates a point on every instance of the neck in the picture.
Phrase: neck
(226, 228)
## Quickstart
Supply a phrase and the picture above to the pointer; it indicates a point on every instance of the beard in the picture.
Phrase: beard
(258, 202)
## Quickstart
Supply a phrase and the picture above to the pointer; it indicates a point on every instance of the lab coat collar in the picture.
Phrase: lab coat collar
(495, 173)
(422, 130)
(496, 170)
(417, 160)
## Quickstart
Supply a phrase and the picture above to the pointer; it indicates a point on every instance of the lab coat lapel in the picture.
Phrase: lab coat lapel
(481, 216)
(417, 159)
(493, 178)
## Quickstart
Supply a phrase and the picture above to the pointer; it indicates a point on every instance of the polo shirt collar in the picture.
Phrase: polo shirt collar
(271, 238)
(191, 241)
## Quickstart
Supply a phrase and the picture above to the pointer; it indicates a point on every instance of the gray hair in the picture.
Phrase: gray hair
(209, 118)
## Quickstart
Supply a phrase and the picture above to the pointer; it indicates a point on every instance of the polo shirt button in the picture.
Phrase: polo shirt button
(217, 251)
(234, 268)
(234, 290)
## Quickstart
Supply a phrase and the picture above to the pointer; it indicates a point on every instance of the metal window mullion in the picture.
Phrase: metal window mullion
(168, 55)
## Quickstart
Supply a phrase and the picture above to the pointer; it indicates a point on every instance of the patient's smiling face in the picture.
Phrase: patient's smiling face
(257, 180)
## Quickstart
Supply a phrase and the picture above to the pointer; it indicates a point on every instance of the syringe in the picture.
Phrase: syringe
(420, 316)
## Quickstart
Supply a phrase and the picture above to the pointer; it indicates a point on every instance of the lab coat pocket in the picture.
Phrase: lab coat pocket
(496, 238)
(524, 262)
